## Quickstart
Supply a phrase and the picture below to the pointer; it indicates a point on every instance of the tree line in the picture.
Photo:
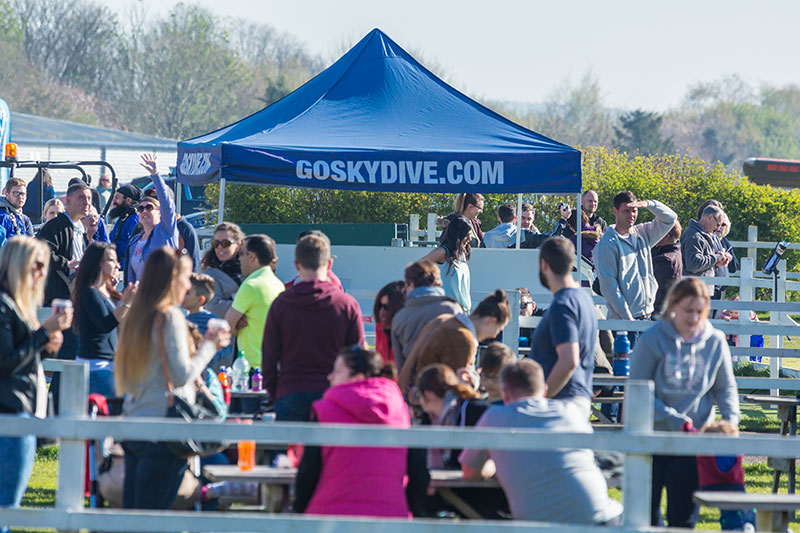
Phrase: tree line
(190, 71)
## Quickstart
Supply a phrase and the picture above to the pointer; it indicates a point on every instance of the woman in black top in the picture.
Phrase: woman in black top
(23, 388)
(99, 308)
(221, 262)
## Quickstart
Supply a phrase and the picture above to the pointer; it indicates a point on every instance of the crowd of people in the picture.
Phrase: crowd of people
(436, 357)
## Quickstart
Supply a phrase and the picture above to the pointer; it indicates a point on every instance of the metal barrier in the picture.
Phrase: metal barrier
(637, 440)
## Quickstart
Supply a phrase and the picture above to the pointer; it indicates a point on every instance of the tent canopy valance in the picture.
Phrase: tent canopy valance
(378, 120)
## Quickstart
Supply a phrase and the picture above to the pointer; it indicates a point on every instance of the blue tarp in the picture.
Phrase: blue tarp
(378, 120)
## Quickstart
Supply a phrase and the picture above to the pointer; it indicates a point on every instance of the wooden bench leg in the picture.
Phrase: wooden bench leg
(455, 500)
(772, 520)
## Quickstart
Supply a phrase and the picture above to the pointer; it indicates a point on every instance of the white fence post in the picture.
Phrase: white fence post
(637, 479)
(74, 389)
(413, 229)
(511, 331)
(431, 236)
(746, 294)
(752, 236)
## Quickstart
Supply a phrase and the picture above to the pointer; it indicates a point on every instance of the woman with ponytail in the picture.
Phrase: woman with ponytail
(450, 402)
(453, 339)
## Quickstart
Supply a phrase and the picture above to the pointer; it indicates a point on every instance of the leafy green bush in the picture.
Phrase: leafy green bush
(682, 182)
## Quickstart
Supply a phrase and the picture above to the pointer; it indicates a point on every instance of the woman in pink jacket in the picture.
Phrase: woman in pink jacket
(356, 481)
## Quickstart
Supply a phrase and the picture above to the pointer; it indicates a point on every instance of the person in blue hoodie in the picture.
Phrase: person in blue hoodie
(159, 224)
(505, 233)
(12, 219)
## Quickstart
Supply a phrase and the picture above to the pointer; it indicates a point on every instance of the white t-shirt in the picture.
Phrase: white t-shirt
(78, 243)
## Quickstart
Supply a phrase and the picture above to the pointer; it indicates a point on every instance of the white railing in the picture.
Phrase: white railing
(637, 441)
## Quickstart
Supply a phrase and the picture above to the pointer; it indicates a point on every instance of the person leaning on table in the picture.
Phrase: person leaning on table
(23, 389)
(690, 365)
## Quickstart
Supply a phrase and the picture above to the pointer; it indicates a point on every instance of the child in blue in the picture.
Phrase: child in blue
(201, 292)
(725, 474)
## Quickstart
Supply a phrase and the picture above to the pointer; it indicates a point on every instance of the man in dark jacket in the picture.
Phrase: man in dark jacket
(698, 250)
(667, 265)
(307, 326)
(589, 202)
(425, 300)
(123, 210)
(60, 234)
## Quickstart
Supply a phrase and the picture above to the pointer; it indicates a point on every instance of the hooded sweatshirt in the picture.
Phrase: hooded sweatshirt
(307, 326)
(13, 220)
(625, 264)
(502, 236)
(362, 481)
(690, 376)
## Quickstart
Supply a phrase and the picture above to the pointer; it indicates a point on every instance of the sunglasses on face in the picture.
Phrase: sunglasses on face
(144, 207)
(524, 303)
(383, 306)
(225, 243)
(38, 266)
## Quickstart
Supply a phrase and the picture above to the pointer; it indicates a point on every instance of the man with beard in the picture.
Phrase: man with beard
(564, 342)
(124, 211)
(589, 202)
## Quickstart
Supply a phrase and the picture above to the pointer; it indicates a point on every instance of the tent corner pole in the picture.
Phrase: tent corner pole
(578, 243)
(519, 217)
(220, 216)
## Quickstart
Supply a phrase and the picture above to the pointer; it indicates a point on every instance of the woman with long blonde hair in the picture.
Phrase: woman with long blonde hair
(152, 473)
(23, 389)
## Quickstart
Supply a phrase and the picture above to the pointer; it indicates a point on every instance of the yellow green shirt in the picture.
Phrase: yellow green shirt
(253, 300)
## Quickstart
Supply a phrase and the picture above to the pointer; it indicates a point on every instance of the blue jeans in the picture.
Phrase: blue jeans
(295, 407)
(102, 382)
(152, 475)
(17, 455)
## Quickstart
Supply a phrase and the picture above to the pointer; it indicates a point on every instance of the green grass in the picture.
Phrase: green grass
(41, 490)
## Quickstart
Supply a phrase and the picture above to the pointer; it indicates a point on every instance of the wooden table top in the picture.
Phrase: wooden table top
(743, 500)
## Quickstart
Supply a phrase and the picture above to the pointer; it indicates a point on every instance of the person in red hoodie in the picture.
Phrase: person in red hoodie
(355, 481)
(307, 325)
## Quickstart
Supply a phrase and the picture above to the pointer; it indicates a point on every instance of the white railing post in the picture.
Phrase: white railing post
(752, 236)
(511, 331)
(431, 236)
(73, 391)
(637, 479)
(746, 293)
(413, 228)
(775, 317)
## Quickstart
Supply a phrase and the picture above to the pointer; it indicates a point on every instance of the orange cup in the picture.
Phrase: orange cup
(247, 455)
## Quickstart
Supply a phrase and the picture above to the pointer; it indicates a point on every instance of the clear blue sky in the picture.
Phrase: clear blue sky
(644, 54)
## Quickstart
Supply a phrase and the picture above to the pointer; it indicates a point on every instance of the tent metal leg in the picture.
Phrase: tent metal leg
(519, 217)
(220, 216)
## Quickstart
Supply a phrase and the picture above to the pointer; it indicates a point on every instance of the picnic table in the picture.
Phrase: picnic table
(773, 511)
(444, 481)
(787, 414)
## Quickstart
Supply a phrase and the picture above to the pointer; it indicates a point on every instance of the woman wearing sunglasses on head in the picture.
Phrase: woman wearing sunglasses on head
(221, 262)
(158, 220)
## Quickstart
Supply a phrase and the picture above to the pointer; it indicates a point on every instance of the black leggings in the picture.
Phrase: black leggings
(679, 475)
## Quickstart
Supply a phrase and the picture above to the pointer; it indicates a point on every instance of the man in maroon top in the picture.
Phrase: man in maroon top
(307, 326)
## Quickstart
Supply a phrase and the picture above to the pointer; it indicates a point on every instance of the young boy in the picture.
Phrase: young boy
(725, 474)
(201, 292)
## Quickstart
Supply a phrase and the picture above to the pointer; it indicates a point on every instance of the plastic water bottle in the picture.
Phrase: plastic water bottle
(622, 347)
(240, 373)
(257, 383)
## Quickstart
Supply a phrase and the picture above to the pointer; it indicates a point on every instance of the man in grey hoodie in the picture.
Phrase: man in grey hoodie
(623, 258)
(12, 219)
(505, 233)
(425, 300)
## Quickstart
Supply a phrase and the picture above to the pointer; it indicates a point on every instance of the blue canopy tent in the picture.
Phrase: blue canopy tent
(378, 120)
